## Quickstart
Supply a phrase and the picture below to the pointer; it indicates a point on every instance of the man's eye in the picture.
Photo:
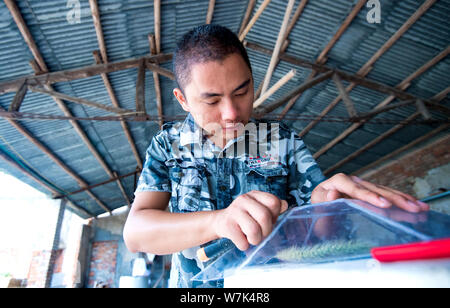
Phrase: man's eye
(241, 94)
(211, 103)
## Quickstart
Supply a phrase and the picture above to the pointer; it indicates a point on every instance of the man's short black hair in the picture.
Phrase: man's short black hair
(202, 44)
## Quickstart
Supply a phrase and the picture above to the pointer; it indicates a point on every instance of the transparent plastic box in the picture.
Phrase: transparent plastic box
(329, 232)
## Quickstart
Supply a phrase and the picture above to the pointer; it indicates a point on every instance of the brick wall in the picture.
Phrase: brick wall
(103, 263)
(38, 269)
(403, 173)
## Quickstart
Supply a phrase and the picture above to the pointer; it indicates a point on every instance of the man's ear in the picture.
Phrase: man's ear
(181, 99)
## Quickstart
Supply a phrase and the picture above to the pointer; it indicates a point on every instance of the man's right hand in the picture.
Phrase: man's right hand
(249, 218)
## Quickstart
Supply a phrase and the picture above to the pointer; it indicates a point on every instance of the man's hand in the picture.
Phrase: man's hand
(343, 186)
(249, 218)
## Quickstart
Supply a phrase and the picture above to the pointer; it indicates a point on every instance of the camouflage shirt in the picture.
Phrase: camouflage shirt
(200, 176)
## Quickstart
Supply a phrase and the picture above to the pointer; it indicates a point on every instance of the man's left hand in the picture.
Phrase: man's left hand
(352, 187)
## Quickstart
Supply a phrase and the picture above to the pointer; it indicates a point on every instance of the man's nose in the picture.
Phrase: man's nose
(230, 110)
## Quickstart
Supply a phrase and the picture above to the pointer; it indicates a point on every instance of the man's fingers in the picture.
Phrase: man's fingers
(261, 214)
(401, 200)
(272, 202)
(346, 185)
(237, 236)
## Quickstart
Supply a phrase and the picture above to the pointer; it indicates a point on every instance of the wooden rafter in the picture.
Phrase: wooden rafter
(278, 45)
(367, 67)
(43, 68)
(323, 55)
(46, 78)
(104, 59)
(252, 21)
(261, 111)
(140, 89)
(439, 97)
(210, 13)
(115, 102)
(152, 44)
(248, 13)
(58, 161)
(157, 16)
(80, 100)
(345, 97)
(100, 58)
(18, 98)
(393, 154)
(405, 96)
(116, 178)
(40, 182)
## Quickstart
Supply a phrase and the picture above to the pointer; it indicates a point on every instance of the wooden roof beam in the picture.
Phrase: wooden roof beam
(100, 58)
(210, 13)
(399, 92)
(393, 154)
(152, 44)
(42, 183)
(58, 161)
(47, 78)
(115, 103)
(321, 59)
(367, 67)
(439, 97)
(278, 45)
(252, 21)
(247, 14)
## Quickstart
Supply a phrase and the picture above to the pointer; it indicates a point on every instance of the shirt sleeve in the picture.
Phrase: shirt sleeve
(155, 173)
(304, 172)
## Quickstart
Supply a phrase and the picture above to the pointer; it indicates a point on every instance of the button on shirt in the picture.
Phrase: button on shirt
(200, 176)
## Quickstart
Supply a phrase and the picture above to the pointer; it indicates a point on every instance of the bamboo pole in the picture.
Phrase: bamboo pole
(80, 101)
(248, 12)
(152, 43)
(47, 78)
(367, 67)
(274, 88)
(210, 13)
(278, 45)
(254, 19)
(115, 102)
(157, 14)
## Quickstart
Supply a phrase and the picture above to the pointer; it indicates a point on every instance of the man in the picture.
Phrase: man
(215, 192)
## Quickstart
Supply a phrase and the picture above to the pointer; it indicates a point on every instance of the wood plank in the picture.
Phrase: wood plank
(248, 12)
(115, 102)
(152, 44)
(140, 89)
(252, 21)
(85, 72)
(210, 13)
(261, 111)
(80, 101)
(278, 45)
(419, 140)
(18, 98)
(345, 97)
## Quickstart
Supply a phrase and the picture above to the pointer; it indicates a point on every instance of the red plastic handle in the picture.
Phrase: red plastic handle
(414, 251)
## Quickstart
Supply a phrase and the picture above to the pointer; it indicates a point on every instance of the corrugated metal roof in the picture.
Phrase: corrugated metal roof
(126, 25)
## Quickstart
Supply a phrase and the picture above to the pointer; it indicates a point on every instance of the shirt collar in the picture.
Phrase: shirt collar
(191, 133)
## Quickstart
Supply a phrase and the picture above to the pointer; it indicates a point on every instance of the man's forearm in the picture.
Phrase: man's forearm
(161, 232)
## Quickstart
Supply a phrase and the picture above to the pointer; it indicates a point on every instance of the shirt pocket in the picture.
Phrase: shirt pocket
(273, 180)
(187, 182)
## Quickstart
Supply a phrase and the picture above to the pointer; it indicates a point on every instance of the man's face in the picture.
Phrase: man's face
(220, 97)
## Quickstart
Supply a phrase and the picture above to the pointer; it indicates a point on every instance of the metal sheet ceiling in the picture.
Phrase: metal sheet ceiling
(126, 25)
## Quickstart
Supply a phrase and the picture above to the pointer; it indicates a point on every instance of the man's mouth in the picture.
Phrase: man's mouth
(231, 126)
